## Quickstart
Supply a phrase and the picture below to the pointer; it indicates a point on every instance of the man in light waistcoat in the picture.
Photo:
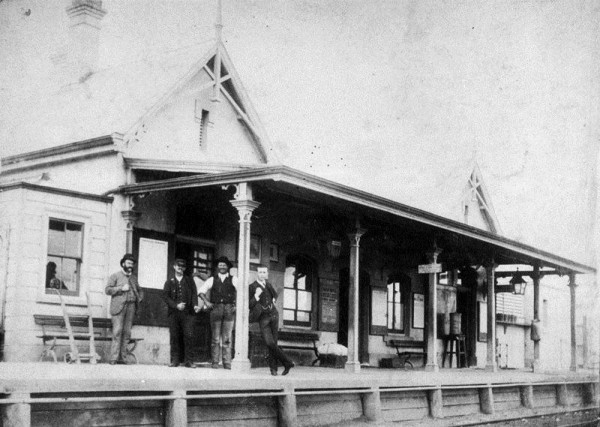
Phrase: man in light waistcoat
(223, 291)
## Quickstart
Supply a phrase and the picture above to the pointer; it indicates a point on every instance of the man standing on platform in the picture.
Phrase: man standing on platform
(181, 297)
(222, 299)
(261, 293)
(126, 294)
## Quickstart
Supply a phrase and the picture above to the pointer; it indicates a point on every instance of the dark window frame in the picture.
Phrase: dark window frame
(62, 256)
(308, 270)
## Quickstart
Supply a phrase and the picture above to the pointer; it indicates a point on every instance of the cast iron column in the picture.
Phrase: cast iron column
(353, 364)
(572, 287)
(130, 216)
(536, 314)
(432, 344)
(245, 205)
(491, 363)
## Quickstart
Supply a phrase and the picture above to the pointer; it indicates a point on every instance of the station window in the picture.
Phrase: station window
(398, 293)
(65, 241)
(299, 282)
(202, 261)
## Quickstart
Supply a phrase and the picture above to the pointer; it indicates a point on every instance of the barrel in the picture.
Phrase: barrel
(455, 324)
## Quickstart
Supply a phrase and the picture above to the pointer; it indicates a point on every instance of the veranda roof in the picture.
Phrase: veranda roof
(290, 180)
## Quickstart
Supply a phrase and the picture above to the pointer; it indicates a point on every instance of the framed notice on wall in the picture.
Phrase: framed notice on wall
(482, 321)
(153, 251)
(328, 299)
(418, 311)
(153, 259)
(378, 311)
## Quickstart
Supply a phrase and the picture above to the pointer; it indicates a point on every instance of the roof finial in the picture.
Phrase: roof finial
(219, 22)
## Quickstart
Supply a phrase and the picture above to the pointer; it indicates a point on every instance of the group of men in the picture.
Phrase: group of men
(185, 297)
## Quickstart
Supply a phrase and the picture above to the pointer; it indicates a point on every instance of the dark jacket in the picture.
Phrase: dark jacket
(263, 297)
(189, 294)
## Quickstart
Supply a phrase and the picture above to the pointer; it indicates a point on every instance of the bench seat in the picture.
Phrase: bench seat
(295, 340)
(54, 329)
(407, 348)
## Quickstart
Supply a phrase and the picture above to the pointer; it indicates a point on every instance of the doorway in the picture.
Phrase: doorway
(363, 312)
(199, 259)
(466, 303)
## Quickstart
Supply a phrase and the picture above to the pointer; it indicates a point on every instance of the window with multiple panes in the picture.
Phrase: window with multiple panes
(65, 249)
(202, 261)
(398, 293)
(395, 307)
(298, 291)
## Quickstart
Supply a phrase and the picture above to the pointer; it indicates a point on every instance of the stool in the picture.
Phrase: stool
(455, 345)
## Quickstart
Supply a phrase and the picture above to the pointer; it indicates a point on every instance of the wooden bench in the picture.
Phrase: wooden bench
(295, 340)
(54, 329)
(407, 348)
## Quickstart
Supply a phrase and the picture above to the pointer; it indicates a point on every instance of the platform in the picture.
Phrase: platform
(61, 394)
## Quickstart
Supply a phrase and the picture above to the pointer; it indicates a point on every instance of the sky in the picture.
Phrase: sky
(393, 97)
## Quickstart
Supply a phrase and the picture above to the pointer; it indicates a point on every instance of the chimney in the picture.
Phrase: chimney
(85, 17)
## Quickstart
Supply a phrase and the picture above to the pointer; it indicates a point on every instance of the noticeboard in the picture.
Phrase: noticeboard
(430, 268)
(329, 305)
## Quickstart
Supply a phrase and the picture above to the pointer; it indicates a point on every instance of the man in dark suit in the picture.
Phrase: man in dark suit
(126, 294)
(181, 297)
(261, 293)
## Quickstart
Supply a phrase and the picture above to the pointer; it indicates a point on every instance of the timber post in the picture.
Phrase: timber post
(526, 392)
(536, 276)
(436, 404)
(572, 287)
(177, 410)
(371, 404)
(486, 400)
(287, 411)
(17, 414)
(562, 395)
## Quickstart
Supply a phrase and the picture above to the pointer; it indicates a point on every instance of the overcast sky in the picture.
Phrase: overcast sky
(394, 97)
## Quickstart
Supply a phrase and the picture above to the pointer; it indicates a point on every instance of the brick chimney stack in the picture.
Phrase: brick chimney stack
(85, 17)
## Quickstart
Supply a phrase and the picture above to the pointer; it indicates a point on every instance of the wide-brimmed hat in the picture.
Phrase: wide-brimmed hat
(225, 260)
(127, 257)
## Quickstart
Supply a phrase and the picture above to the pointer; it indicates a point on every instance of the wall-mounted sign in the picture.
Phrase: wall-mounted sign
(430, 268)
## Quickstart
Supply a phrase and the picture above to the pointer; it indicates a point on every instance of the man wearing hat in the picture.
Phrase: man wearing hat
(223, 292)
(181, 297)
(126, 294)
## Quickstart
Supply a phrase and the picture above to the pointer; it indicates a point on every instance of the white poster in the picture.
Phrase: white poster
(152, 263)
(379, 307)
(418, 311)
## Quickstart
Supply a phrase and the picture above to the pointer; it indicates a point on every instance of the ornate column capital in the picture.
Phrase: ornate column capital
(490, 264)
(131, 217)
(245, 208)
(355, 237)
(434, 253)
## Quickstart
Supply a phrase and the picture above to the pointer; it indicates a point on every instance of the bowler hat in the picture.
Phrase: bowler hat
(127, 257)
(225, 260)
